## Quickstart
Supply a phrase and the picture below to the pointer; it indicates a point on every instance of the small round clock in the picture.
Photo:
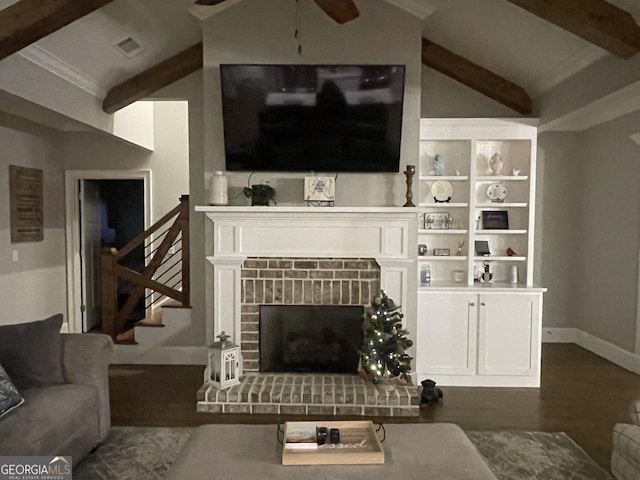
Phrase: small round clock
(497, 192)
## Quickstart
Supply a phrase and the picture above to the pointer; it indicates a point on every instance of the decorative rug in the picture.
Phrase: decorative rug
(536, 456)
(132, 453)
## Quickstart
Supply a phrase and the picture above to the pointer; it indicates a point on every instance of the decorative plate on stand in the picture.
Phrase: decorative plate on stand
(497, 192)
(441, 191)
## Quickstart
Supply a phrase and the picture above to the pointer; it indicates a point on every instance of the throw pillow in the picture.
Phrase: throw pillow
(31, 353)
(10, 398)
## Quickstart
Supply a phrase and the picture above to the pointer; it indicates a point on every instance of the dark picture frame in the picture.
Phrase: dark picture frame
(482, 248)
(495, 220)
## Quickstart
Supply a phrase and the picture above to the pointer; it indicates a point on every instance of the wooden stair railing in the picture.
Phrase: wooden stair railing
(114, 318)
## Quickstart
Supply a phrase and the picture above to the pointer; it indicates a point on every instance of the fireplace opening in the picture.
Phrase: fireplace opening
(310, 338)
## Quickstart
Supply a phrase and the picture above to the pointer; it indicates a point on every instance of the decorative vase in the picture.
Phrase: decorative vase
(438, 165)
(218, 193)
(496, 164)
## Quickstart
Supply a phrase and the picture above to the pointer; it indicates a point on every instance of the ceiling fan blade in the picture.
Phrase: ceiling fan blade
(342, 11)
(208, 2)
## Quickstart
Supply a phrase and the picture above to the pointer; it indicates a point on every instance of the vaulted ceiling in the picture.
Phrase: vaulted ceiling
(508, 50)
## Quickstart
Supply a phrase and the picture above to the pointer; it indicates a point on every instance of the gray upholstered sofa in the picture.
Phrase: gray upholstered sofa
(71, 415)
(625, 455)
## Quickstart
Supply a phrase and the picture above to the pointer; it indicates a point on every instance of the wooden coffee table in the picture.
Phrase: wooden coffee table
(434, 451)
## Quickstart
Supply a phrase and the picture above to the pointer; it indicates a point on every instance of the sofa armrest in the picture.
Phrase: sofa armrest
(86, 359)
(625, 454)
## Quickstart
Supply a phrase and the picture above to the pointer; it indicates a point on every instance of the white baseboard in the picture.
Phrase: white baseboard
(165, 356)
(602, 348)
(559, 335)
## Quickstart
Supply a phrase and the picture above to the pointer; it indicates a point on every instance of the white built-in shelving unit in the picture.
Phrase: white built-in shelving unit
(471, 332)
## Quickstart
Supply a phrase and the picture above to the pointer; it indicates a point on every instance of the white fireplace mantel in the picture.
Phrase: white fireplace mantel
(387, 234)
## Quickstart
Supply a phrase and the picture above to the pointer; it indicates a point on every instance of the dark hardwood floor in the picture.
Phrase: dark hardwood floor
(581, 394)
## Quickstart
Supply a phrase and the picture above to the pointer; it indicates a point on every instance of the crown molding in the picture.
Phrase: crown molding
(48, 61)
(566, 69)
(622, 102)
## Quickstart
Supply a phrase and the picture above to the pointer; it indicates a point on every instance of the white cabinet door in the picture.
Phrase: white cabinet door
(447, 334)
(508, 334)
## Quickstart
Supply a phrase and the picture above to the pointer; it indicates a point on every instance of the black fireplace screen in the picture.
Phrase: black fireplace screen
(310, 338)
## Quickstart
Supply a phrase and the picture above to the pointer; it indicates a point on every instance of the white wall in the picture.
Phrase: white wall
(190, 89)
(135, 123)
(170, 160)
(34, 287)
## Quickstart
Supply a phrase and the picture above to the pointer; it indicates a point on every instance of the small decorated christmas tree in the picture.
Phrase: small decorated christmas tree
(383, 353)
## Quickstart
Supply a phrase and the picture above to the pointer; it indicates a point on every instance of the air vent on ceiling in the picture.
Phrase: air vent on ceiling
(128, 46)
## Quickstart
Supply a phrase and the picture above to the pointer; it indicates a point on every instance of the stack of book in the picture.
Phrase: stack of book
(300, 436)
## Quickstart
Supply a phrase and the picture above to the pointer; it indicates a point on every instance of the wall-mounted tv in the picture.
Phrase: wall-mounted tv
(324, 118)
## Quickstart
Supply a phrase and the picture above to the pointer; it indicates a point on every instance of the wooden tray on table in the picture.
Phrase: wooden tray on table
(358, 445)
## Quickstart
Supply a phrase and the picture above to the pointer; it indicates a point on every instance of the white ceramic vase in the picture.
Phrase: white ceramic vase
(218, 192)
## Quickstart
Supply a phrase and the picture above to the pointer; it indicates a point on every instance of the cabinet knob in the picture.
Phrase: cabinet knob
(482, 304)
(472, 304)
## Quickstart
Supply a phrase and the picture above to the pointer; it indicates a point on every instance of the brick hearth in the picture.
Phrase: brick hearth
(303, 394)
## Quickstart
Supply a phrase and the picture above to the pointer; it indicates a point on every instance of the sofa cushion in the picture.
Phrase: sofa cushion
(58, 420)
(31, 353)
(10, 398)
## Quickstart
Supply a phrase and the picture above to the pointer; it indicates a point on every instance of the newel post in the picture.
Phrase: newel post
(109, 291)
(183, 219)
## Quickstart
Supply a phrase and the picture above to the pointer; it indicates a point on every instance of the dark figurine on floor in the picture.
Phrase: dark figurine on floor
(431, 394)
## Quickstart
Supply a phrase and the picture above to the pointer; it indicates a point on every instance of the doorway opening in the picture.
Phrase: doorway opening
(111, 215)
(107, 210)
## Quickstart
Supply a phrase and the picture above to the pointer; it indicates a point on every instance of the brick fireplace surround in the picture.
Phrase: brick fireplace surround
(300, 281)
(305, 256)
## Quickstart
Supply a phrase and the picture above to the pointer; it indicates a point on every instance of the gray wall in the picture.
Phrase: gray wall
(558, 213)
(590, 229)
(609, 232)
(382, 34)
(34, 287)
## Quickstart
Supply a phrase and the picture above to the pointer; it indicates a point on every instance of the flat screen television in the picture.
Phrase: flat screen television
(323, 118)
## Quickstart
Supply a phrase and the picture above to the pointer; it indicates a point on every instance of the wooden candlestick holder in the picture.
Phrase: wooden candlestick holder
(409, 173)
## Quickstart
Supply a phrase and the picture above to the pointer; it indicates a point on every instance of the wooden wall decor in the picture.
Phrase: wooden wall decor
(26, 202)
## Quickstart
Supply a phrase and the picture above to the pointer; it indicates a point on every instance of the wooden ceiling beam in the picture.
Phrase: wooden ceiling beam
(27, 21)
(596, 21)
(153, 79)
(476, 77)
(341, 11)
(208, 2)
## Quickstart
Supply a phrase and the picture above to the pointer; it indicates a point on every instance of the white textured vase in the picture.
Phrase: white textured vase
(218, 191)
(513, 275)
